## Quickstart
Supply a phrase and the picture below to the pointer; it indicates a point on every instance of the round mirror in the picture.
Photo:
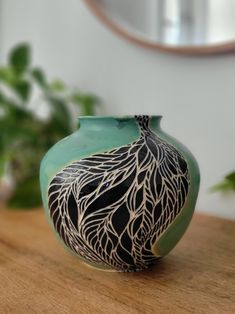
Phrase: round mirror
(186, 26)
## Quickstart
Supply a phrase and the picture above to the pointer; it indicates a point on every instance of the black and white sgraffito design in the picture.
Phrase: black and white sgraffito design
(110, 208)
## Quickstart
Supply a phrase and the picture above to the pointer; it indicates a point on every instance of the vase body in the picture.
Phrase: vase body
(119, 192)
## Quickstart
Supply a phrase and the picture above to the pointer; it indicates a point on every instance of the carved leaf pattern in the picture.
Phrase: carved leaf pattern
(110, 208)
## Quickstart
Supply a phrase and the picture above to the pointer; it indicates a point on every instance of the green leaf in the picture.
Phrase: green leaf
(23, 90)
(20, 57)
(2, 165)
(231, 177)
(39, 77)
(26, 195)
(223, 187)
(86, 102)
(61, 119)
(2, 98)
(8, 76)
(57, 86)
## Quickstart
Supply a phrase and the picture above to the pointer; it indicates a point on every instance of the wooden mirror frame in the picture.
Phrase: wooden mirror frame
(190, 50)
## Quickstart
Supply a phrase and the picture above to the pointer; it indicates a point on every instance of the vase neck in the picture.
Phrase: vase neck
(120, 122)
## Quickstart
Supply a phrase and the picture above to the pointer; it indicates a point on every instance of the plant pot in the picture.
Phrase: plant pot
(119, 192)
(6, 189)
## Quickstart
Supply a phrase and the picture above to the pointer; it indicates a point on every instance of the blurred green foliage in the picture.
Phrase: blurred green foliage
(24, 135)
(228, 184)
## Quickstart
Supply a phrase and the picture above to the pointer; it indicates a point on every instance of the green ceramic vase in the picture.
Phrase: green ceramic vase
(119, 192)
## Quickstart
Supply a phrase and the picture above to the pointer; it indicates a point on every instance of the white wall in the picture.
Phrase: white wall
(196, 95)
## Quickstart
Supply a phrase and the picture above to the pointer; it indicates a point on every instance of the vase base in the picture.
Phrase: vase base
(113, 270)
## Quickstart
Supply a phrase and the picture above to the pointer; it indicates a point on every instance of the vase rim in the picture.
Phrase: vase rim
(119, 117)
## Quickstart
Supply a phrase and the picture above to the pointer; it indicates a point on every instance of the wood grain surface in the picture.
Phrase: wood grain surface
(37, 275)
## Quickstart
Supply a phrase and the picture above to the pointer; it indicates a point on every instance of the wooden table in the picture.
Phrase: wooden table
(37, 275)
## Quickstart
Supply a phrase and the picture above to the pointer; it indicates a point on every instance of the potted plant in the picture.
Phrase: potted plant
(227, 185)
(227, 194)
(26, 133)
